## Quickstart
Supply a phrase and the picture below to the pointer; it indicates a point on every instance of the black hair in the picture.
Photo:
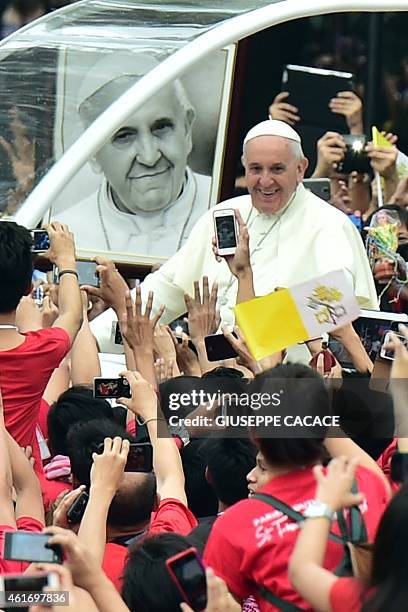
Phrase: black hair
(302, 392)
(228, 462)
(75, 405)
(132, 505)
(389, 570)
(201, 498)
(223, 372)
(147, 586)
(16, 265)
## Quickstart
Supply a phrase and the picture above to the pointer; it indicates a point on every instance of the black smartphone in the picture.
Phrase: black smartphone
(76, 511)
(111, 388)
(355, 157)
(41, 240)
(87, 274)
(30, 546)
(188, 573)
(139, 459)
(320, 187)
(218, 348)
(13, 584)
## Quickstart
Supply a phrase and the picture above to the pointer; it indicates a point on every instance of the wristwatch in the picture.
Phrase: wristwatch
(317, 509)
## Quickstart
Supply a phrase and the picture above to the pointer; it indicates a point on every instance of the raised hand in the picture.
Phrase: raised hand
(138, 327)
(282, 110)
(203, 318)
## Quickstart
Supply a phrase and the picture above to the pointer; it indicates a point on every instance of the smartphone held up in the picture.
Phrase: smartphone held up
(226, 231)
(188, 573)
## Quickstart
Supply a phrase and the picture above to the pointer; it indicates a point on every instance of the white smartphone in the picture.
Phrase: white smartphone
(389, 353)
(226, 233)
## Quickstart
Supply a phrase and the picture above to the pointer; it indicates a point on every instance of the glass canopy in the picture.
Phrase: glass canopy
(48, 68)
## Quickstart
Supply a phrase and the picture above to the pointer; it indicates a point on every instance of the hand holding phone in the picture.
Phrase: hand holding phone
(23, 583)
(139, 459)
(41, 240)
(387, 353)
(111, 388)
(31, 546)
(188, 573)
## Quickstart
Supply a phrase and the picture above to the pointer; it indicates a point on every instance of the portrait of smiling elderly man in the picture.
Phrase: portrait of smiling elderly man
(148, 198)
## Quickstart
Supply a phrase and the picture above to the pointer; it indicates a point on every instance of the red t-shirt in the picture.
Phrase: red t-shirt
(251, 543)
(24, 523)
(42, 417)
(347, 595)
(171, 516)
(24, 374)
(384, 461)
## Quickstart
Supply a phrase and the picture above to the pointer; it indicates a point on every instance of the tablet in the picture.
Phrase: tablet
(311, 89)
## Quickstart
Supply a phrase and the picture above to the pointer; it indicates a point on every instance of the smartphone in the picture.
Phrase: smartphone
(188, 573)
(111, 388)
(38, 295)
(355, 157)
(226, 233)
(41, 241)
(116, 334)
(371, 327)
(389, 353)
(139, 459)
(218, 348)
(87, 274)
(30, 546)
(179, 326)
(22, 583)
(77, 509)
(320, 187)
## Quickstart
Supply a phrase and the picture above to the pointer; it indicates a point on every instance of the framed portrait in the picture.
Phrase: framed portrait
(137, 200)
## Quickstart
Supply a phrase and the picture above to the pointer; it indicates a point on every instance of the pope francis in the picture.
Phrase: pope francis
(294, 236)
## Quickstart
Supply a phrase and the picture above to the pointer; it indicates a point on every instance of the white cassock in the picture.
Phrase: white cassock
(98, 225)
(306, 239)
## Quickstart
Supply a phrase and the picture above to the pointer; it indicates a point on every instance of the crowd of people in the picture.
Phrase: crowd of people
(281, 522)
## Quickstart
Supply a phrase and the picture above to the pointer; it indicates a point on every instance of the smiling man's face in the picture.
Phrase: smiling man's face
(145, 161)
(272, 172)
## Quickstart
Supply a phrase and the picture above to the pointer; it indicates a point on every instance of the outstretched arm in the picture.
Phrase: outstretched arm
(166, 457)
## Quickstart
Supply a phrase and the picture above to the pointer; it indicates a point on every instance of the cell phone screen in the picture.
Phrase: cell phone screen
(140, 458)
(355, 157)
(226, 236)
(87, 274)
(218, 348)
(27, 546)
(111, 388)
(41, 241)
(190, 575)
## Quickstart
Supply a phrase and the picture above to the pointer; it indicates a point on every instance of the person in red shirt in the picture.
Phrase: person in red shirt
(139, 508)
(386, 587)
(250, 544)
(27, 513)
(27, 360)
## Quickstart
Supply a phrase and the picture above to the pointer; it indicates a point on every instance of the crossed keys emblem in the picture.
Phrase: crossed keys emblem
(323, 300)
